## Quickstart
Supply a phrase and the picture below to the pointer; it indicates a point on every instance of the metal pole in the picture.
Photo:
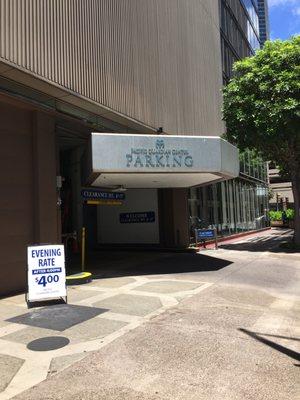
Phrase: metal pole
(196, 238)
(83, 249)
(216, 239)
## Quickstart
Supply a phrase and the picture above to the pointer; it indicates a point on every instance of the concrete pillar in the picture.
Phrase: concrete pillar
(44, 179)
(205, 206)
(165, 205)
(194, 202)
(174, 217)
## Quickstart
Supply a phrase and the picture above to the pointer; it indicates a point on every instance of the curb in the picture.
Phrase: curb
(231, 237)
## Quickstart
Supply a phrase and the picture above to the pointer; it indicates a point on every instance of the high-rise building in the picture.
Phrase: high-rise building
(241, 204)
(239, 26)
(263, 16)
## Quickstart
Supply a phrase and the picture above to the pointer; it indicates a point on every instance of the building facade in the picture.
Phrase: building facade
(241, 204)
(98, 97)
(239, 27)
(281, 192)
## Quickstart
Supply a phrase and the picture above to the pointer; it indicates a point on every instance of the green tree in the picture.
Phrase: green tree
(262, 109)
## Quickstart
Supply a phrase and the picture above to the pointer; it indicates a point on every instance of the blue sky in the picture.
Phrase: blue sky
(284, 18)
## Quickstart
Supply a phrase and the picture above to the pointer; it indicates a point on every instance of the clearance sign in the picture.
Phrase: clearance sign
(99, 197)
(46, 272)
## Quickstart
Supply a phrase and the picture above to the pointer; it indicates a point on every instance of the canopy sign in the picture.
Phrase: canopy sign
(46, 272)
(164, 161)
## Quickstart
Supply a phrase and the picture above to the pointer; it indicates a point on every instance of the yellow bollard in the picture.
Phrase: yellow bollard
(83, 249)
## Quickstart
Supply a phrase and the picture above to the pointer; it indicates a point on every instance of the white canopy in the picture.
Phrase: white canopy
(160, 161)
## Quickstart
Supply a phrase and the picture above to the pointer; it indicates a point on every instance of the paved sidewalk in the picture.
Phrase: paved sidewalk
(221, 325)
(37, 343)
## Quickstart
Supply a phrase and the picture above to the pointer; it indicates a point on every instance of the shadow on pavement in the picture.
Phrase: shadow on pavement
(48, 343)
(278, 336)
(128, 264)
(58, 318)
(284, 350)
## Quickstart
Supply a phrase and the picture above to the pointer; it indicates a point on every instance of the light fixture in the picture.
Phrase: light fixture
(119, 188)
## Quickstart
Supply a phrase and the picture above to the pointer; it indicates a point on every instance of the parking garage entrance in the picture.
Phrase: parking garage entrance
(131, 190)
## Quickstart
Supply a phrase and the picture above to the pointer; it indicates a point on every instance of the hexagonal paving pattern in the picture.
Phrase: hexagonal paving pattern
(62, 362)
(95, 328)
(165, 287)
(9, 366)
(59, 317)
(111, 282)
(130, 304)
(76, 294)
(85, 325)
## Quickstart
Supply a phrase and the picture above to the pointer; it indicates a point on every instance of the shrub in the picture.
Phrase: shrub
(290, 213)
(275, 215)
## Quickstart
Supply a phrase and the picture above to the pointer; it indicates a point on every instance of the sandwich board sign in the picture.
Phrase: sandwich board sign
(46, 273)
(201, 235)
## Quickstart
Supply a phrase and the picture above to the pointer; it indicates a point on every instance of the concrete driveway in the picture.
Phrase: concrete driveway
(217, 325)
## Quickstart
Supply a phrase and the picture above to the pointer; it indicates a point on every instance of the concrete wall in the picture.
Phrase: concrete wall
(16, 200)
(28, 212)
(155, 61)
(110, 230)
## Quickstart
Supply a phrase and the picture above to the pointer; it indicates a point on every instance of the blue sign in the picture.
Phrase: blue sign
(95, 194)
(137, 217)
(205, 234)
(46, 271)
